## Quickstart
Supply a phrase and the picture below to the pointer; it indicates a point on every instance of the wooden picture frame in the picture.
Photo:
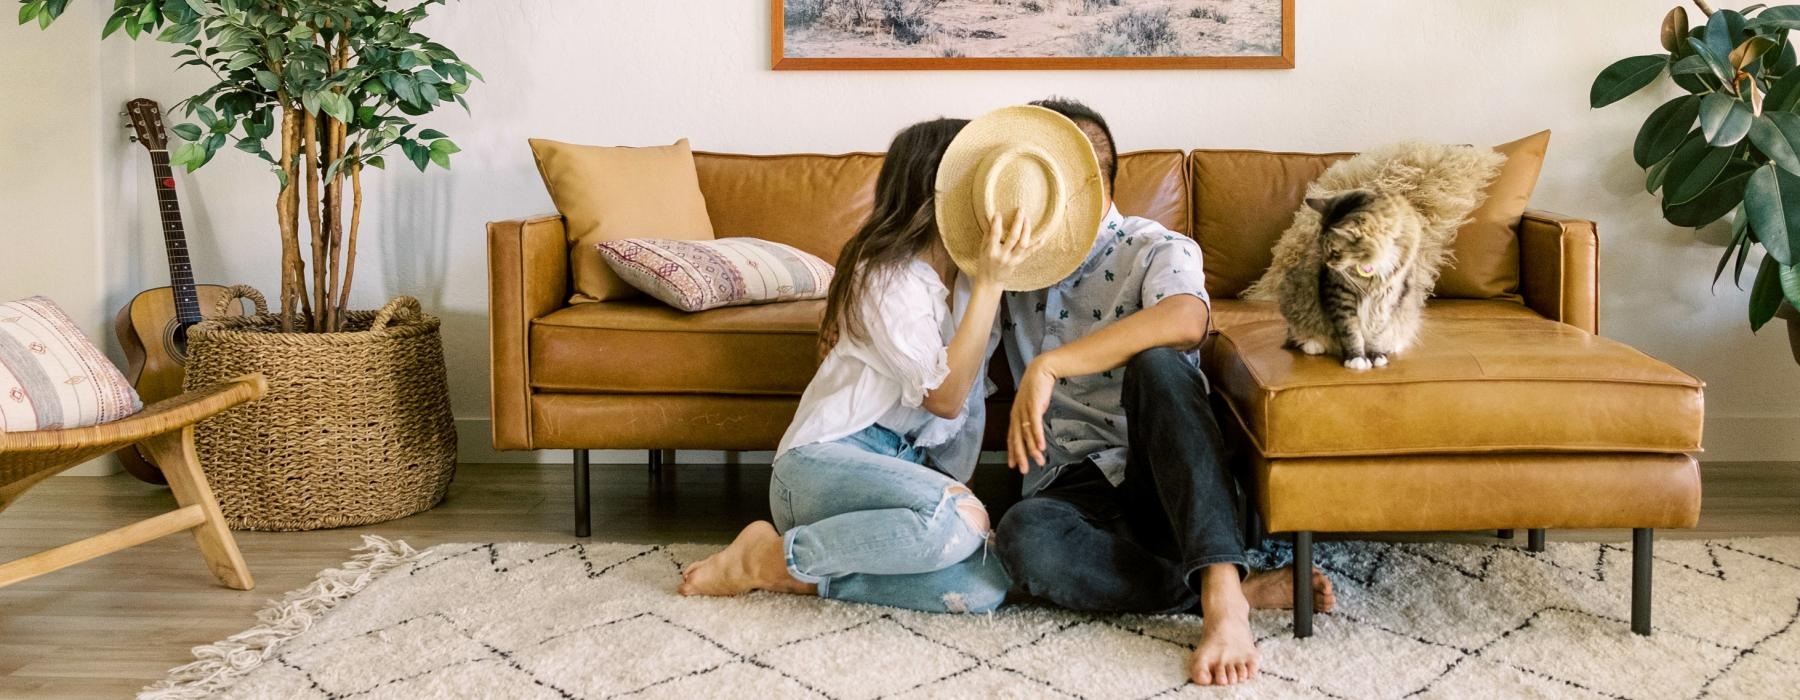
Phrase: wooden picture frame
(782, 62)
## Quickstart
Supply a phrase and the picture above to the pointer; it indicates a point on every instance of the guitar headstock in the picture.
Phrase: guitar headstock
(147, 122)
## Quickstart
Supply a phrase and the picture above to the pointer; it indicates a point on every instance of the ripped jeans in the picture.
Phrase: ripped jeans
(866, 521)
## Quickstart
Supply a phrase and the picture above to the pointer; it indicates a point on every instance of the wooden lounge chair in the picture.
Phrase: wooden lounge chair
(165, 431)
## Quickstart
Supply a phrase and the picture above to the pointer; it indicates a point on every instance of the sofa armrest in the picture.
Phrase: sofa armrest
(1559, 268)
(528, 277)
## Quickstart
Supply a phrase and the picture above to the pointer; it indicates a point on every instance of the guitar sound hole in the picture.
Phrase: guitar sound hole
(177, 341)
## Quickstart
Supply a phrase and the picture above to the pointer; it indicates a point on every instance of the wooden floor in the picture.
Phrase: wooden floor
(108, 627)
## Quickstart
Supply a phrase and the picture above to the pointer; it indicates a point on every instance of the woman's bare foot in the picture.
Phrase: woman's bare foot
(754, 561)
(1227, 653)
(1274, 590)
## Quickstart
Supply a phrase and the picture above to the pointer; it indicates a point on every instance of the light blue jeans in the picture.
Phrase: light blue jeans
(865, 520)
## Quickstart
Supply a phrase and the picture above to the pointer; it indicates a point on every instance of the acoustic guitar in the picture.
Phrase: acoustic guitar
(153, 327)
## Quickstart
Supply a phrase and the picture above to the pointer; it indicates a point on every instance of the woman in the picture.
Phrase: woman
(868, 494)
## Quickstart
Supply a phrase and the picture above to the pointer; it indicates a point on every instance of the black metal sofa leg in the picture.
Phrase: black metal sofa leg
(1303, 593)
(1642, 540)
(583, 501)
(1504, 533)
(1534, 539)
(656, 461)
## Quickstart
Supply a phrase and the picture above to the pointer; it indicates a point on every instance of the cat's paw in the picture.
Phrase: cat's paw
(1358, 363)
(1379, 360)
(1312, 347)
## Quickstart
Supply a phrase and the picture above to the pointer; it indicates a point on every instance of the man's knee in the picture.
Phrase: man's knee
(1159, 371)
(1031, 534)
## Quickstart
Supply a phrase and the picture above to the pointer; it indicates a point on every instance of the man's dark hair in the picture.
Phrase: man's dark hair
(1084, 115)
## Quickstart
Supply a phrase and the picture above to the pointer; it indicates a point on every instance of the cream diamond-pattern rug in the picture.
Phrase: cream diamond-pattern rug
(1414, 620)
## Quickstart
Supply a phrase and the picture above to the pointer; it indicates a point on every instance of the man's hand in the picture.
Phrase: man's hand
(1025, 437)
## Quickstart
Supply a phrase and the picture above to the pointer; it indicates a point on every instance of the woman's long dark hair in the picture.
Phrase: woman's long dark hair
(902, 225)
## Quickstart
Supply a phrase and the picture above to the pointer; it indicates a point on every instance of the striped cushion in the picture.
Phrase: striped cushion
(700, 275)
(51, 377)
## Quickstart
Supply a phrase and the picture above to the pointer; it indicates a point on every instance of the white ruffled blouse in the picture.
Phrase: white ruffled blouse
(882, 380)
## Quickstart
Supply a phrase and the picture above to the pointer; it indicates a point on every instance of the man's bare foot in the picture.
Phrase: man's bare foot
(1274, 590)
(754, 561)
(1227, 653)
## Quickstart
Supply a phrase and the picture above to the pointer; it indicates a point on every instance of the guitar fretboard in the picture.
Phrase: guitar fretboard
(181, 270)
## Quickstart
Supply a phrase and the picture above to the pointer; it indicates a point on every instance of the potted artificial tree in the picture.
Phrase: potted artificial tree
(1731, 145)
(356, 427)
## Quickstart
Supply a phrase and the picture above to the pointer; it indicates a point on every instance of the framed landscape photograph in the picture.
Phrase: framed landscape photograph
(1031, 34)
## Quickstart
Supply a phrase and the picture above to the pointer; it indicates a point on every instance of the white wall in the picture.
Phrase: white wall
(1369, 71)
(64, 205)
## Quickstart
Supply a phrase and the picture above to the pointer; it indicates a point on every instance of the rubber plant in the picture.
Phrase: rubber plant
(1731, 145)
(320, 89)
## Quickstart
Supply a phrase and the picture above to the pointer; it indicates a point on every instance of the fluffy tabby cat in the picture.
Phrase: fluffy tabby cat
(1360, 291)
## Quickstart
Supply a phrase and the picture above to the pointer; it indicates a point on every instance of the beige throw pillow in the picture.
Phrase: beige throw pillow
(615, 193)
(1487, 247)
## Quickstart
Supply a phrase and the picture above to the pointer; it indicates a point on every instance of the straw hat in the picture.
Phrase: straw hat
(1028, 159)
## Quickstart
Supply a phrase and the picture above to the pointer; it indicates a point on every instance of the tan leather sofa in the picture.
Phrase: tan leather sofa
(1510, 413)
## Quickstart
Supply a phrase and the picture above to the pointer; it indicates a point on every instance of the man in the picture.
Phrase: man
(1128, 504)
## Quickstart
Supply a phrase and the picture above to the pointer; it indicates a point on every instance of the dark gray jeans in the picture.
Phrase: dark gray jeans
(1083, 544)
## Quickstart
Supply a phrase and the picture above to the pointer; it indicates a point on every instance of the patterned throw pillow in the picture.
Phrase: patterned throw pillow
(700, 275)
(51, 377)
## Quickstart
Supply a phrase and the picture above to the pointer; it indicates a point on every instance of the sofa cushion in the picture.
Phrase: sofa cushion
(1477, 381)
(811, 202)
(1243, 200)
(1153, 185)
(608, 194)
(643, 346)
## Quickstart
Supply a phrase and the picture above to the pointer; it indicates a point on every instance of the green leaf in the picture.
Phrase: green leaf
(1777, 135)
(1664, 129)
(336, 105)
(1625, 76)
(430, 134)
(1783, 94)
(1724, 119)
(1790, 284)
(1765, 293)
(189, 155)
(419, 155)
(1740, 230)
(1694, 168)
(377, 161)
(187, 132)
(1775, 18)
(1653, 180)
(445, 146)
(1692, 65)
(309, 101)
(1723, 32)
(1773, 201)
(442, 158)
(1715, 202)
(1720, 65)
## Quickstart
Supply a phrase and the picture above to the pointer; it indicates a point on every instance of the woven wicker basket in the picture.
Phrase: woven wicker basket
(355, 429)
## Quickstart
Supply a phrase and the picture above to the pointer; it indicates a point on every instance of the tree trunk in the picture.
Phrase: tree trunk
(287, 215)
(309, 134)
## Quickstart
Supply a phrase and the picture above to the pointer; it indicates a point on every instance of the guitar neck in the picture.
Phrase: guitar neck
(181, 270)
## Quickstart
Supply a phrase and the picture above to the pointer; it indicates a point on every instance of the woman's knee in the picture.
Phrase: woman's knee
(979, 599)
(961, 526)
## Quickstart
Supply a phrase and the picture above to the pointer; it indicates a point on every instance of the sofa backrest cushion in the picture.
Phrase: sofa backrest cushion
(1153, 185)
(1243, 200)
(811, 202)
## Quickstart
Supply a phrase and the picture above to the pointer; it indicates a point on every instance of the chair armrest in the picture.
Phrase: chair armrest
(528, 277)
(1559, 268)
(158, 418)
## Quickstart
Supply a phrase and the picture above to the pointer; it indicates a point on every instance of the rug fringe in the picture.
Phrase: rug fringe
(220, 665)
